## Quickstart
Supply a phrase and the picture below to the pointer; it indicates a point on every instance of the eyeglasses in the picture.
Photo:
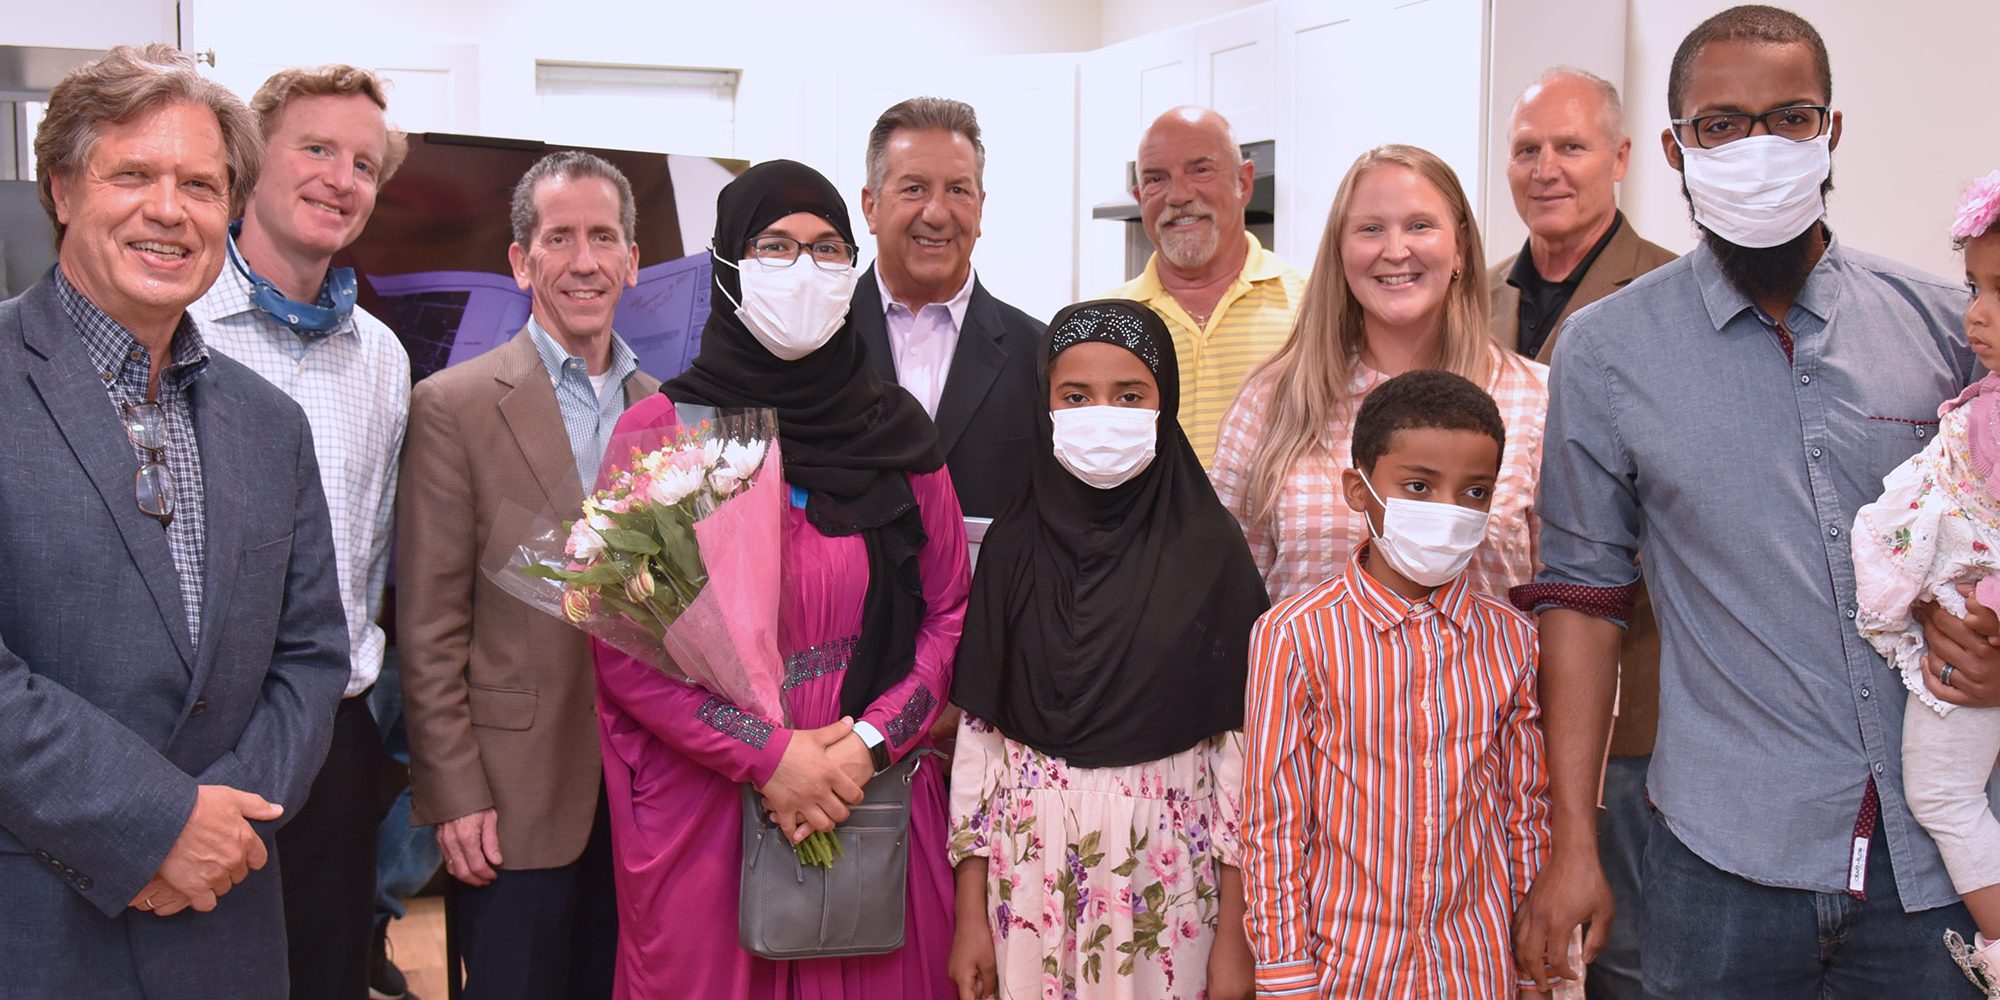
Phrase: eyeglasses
(153, 484)
(824, 253)
(1799, 123)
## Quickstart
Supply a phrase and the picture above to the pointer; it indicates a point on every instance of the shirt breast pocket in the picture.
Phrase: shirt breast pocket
(1887, 442)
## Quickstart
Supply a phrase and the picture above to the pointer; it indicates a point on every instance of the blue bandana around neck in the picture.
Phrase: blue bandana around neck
(336, 295)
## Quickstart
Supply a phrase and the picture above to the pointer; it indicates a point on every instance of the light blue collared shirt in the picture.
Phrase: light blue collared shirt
(588, 414)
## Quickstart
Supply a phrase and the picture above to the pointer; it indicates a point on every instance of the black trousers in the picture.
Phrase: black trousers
(326, 858)
(550, 934)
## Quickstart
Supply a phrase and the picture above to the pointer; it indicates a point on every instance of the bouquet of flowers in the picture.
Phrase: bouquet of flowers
(674, 560)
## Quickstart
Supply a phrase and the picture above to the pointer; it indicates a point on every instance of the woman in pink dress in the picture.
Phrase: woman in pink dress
(874, 588)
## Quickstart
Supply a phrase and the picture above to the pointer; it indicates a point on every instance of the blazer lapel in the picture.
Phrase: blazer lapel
(227, 506)
(864, 314)
(60, 370)
(530, 411)
(1506, 308)
(975, 364)
(1613, 269)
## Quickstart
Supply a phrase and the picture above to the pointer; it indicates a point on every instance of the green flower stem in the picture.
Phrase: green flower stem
(819, 849)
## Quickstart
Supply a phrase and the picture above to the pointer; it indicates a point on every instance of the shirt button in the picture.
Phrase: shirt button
(1427, 822)
(1850, 612)
(1920, 432)
(1864, 692)
(1878, 769)
(1427, 762)
(1805, 380)
(1425, 878)
(1815, 453)
(1832, 531)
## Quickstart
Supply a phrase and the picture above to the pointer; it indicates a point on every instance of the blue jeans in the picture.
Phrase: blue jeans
(1621, 848)
(1715, 936)
(405, 857)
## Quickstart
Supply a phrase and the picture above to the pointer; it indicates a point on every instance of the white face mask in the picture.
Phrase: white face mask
(1760, 190)
(1429, 543)
(1105, 445)
(792, 309)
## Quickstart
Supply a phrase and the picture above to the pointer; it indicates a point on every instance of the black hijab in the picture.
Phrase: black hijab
(848, 439)
(1112, 627)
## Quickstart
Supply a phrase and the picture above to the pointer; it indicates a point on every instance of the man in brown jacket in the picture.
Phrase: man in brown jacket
(499, 697)
(1567, 150)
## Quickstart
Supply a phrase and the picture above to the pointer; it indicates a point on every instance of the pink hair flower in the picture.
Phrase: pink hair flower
(1978, 208)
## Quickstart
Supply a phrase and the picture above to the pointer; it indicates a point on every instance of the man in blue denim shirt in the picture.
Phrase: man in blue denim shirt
(1723, 418)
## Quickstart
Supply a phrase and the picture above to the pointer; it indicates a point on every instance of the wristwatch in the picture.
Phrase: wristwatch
(878, 748)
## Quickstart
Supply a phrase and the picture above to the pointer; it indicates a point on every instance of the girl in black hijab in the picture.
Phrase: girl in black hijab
(871, 603)
(1102, 676)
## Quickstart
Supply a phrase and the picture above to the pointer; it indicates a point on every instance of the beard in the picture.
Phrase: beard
(1189, 251)
(1764, 274)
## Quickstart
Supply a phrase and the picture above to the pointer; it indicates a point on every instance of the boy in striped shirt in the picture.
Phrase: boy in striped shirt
(1395, 799)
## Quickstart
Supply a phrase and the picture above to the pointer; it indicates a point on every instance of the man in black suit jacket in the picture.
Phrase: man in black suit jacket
(929, 324)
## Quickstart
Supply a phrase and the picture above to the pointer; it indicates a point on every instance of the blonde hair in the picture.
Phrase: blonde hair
(118, 87)
(338, 80)
(1313, 374)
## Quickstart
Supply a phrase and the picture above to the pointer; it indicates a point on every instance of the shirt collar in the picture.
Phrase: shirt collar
(111, 347)
(1525, 273)
(1385, 609)
(1258, 265)
(956, 305)
(1724, 301)
(623, 361)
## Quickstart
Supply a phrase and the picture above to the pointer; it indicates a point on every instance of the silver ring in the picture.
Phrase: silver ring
(1944, 676)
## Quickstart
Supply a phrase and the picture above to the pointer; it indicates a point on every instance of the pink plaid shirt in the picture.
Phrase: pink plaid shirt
(1306, 540)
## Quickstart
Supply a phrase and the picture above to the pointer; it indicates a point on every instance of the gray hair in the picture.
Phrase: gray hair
(117, 88)
(1611, 110)
(570, 164)
(924, 114)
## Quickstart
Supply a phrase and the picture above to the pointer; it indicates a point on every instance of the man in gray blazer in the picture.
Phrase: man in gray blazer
(171, 637)
(927, 322)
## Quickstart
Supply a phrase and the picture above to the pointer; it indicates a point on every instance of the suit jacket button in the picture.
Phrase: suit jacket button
(200, 706)
(83, 882)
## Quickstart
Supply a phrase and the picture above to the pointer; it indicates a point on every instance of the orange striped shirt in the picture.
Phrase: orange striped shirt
(1395, 792)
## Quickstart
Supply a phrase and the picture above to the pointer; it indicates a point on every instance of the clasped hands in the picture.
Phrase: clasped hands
(217, 848)
(820, 775)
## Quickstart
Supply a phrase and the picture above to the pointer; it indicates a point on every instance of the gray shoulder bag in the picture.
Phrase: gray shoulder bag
(792, 911)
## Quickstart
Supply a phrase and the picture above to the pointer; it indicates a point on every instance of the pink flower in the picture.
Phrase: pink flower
(1165, 863)
(1189, 929)
(1978, 208)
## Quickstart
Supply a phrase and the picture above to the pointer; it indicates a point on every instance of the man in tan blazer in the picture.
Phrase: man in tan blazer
(499, 697)
(1567, 151)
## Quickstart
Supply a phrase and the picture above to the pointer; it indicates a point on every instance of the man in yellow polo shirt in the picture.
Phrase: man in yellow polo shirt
(1228, 301)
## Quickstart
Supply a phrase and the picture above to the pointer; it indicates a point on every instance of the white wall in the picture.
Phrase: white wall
(1911, 79)
(813, 77)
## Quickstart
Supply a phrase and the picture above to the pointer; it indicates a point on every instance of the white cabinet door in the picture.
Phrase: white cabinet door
(1236, 70)
(1355, 74)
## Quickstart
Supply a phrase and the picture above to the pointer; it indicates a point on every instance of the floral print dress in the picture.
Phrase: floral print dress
(1936, 525)
(1100, 882)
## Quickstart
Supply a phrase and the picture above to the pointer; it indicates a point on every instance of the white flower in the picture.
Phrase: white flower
(672, 485)
(584, 543)
(711, 452)
(743, 457)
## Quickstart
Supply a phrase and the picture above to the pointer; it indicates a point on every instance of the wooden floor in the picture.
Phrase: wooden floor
(416, 945)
